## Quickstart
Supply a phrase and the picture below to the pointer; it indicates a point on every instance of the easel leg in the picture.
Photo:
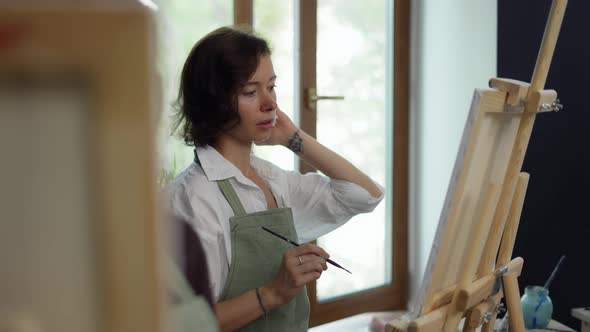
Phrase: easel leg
(512, 293)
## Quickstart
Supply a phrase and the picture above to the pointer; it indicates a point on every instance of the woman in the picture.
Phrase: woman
(227, 102)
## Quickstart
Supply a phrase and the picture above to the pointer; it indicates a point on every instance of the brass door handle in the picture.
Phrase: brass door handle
(312, 98)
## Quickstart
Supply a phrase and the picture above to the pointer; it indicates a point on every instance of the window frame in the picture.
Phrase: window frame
(392, 296)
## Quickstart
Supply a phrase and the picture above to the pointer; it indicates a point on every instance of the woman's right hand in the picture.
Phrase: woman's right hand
(300, 266)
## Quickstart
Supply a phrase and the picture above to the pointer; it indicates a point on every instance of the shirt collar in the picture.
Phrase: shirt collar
(216, 167)
(263, 167)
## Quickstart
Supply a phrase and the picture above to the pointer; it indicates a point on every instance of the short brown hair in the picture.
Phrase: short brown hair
(216, 68)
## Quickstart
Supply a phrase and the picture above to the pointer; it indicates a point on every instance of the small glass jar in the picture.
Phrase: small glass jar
(537, 307)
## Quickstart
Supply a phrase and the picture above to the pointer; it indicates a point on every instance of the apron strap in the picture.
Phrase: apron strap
(232, 197)
(228, 192)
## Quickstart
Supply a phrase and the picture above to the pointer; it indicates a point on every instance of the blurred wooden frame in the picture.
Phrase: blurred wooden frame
(112, 49)
(483, 205)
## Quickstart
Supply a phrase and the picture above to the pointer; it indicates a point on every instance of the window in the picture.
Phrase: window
(345, 48)
(180, 24)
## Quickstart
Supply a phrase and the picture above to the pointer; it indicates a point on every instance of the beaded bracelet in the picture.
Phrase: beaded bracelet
(260, 301)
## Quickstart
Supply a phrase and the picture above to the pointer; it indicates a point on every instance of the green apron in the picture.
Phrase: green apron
(191, 313)
(256, 259)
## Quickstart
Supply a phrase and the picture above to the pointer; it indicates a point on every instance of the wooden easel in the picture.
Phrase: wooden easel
(473, 244)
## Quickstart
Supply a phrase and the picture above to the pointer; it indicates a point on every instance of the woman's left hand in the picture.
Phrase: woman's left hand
(282, 131)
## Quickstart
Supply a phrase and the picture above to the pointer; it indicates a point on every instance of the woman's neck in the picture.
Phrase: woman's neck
(236, 153)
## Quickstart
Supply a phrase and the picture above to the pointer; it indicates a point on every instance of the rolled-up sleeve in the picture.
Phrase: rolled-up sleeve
(321, 204)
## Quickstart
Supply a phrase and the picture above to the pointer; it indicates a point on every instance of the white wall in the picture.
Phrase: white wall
(453, 51)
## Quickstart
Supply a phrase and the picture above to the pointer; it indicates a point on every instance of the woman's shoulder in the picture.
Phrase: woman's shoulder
(187, 182)
(192, 196)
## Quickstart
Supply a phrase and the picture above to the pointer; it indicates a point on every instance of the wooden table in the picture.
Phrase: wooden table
(362, 323)
(583, 314)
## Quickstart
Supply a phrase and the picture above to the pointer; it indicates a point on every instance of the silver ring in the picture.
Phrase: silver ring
(300, 260)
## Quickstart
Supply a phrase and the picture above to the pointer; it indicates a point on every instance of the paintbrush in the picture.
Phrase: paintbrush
(554, 272)
(297, 245)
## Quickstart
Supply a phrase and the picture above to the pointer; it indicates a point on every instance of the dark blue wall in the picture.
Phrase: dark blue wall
(556, 214)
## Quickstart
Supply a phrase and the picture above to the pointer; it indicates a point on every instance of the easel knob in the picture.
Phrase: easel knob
(551, 107)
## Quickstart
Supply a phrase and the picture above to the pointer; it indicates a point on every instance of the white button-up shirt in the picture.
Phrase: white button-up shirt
(319, 204)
